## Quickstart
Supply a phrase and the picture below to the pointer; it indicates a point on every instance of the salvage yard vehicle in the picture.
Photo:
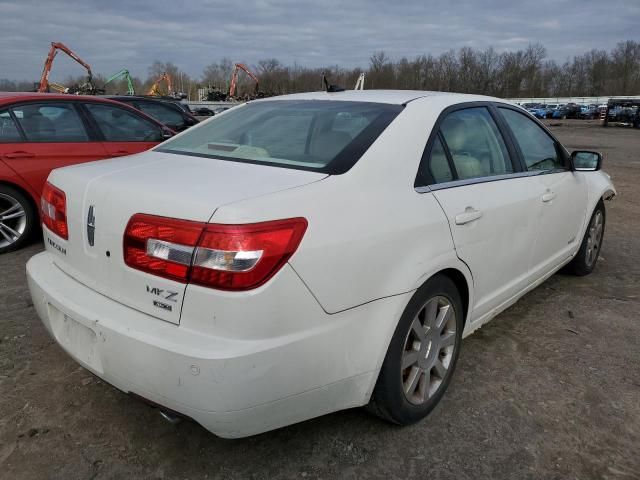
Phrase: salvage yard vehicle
(166, 112)
(570, 110)
(549, 110)
(309, 253)
(203, 112)
(40, 132)
(539, 112)
(622, 110)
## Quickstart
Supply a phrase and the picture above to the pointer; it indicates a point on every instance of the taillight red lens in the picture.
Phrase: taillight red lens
(242, 257)
(147, 240)
(226, 257)
(53, 209)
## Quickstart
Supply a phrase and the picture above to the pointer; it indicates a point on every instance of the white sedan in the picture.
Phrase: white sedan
(308, 253)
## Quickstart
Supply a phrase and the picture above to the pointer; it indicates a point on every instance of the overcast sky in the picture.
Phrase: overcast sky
(115, 34)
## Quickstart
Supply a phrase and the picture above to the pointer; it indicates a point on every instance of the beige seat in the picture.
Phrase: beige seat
(459, 141)
(439, 165)
(327, 144)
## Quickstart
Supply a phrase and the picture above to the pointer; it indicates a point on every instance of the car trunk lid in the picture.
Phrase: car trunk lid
(103, 196)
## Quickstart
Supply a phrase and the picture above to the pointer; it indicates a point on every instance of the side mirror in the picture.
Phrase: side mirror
(586, 160)
(166, 133)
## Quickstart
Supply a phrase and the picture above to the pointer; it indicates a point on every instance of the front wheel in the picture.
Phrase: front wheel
(422, 354)
(585, 260)
(17, 219)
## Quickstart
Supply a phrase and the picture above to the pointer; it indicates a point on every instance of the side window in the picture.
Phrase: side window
(51, 122)
(120, 125)
(438, 164)
(537, 147)
(8, 130)
(476, 146)
(165, 115)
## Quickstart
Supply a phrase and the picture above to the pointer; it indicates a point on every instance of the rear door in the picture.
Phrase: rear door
(490, 204)
(123, 131)
(564, 193)
(12, 142)
(51, 135)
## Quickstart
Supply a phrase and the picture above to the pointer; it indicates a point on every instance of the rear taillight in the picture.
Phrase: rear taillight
(53, 209)
(226, 257)
(240, 257)
(161, 246)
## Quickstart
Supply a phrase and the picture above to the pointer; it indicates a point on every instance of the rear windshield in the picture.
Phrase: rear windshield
(323, 136)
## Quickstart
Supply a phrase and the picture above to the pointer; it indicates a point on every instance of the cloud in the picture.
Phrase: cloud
(123, 34)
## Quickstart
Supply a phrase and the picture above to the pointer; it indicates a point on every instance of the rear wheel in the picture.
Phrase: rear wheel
(17, 219)
(422, 354)
(585, 260)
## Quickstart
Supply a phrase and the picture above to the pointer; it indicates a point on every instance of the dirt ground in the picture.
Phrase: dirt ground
(550, 389)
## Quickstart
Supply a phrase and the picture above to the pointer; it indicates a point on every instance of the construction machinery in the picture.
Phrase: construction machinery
(360, 83)
(234, 79)
(87, 88)
(124, 73)
(155, 88)
(58, 88)
(212, 94)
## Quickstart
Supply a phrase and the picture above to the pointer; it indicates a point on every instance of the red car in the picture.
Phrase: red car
(40, 132)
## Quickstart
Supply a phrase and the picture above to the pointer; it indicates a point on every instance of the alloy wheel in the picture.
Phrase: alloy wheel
(428, 350)
(13, 220)
(594, 238)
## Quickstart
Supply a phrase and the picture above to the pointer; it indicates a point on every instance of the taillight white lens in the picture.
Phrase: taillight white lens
(224, 260)
(172, 252)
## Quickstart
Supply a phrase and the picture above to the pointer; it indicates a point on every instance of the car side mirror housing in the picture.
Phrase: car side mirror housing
(166, 133)
(586, 160)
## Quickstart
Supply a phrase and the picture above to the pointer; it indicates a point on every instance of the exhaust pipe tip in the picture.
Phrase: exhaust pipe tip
(170, 417)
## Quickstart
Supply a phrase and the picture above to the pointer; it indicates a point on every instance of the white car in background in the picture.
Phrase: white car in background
(308, 253)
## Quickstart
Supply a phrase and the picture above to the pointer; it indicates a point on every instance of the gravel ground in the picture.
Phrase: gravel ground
(549, 389)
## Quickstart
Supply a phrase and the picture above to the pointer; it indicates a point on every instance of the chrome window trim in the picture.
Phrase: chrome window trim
(492, 178)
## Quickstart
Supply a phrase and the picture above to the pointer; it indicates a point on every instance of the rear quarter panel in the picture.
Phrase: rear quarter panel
(370, 234)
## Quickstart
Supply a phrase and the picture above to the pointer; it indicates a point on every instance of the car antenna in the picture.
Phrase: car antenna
(328, 87)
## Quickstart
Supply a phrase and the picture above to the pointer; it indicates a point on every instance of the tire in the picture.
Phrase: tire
(18, 219)
(585, 260)
(389, 400)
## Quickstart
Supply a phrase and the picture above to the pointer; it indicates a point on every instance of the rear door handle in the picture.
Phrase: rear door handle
(469, 215)
(548, 196)
(20, 155)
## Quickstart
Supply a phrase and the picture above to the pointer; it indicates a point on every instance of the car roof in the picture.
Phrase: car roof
(395, 97)
(136, 97)
(8, 98)
(143, 97)
(11, 97)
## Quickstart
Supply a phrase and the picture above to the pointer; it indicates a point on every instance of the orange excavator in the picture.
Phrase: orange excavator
(87, 88)
(234, 79)
(155, 88)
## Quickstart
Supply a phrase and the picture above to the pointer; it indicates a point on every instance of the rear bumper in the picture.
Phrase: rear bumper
(233, 387)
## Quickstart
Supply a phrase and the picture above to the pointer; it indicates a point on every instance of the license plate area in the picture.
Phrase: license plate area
(77, 339)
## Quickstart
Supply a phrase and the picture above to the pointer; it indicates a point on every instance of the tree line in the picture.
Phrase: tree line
(511, 74)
